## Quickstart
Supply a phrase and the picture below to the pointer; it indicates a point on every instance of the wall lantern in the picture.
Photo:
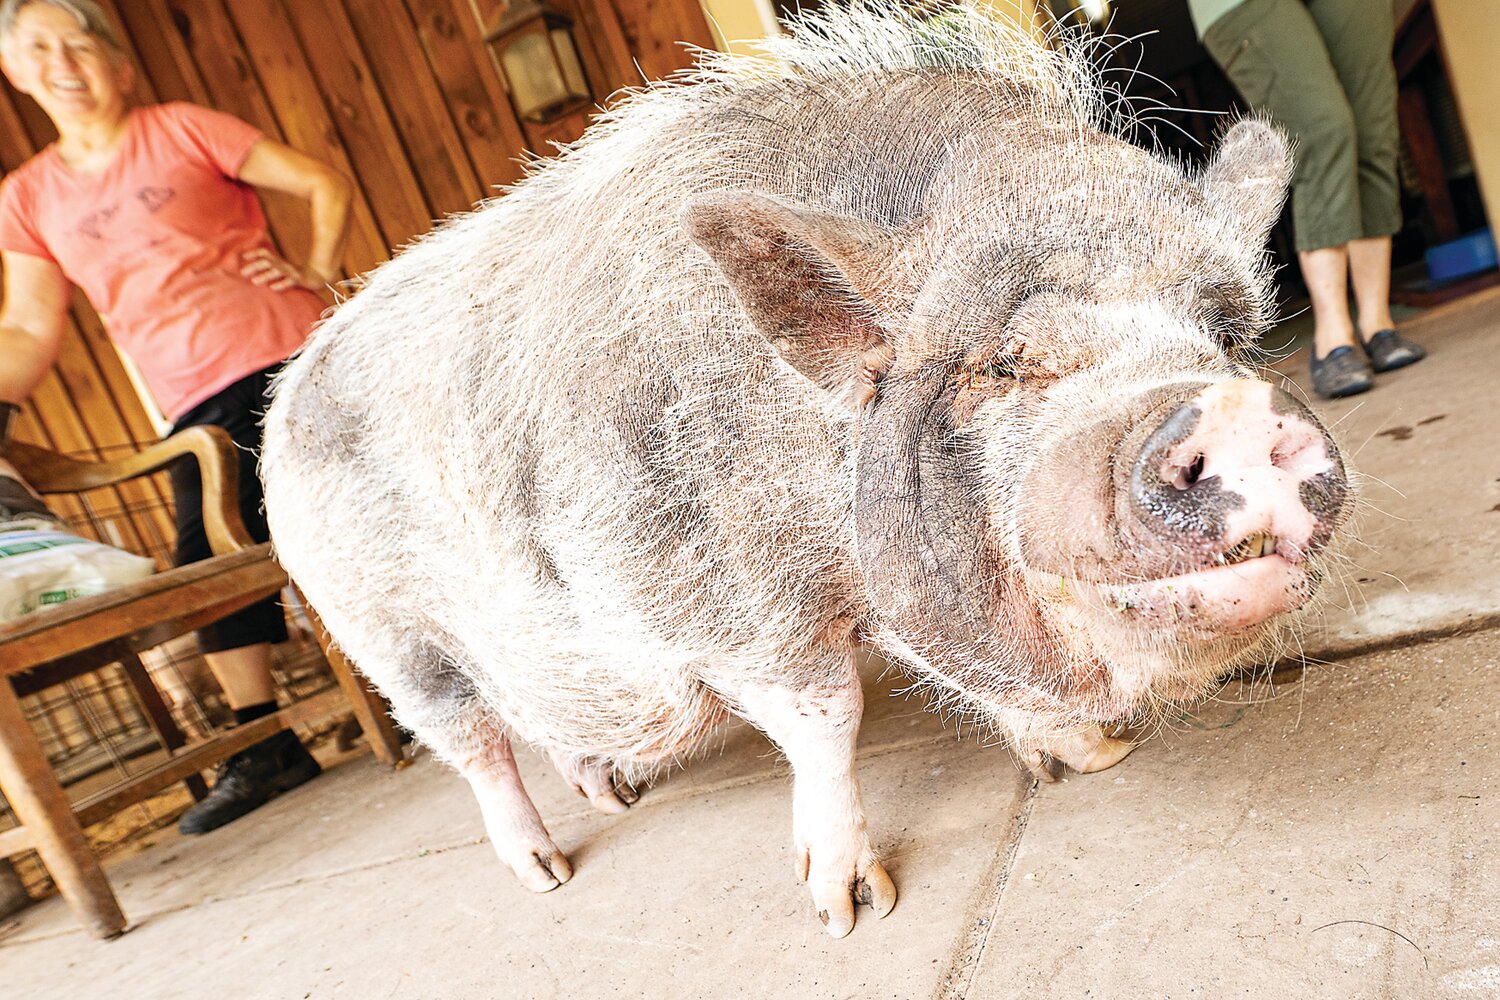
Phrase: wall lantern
(538, 58)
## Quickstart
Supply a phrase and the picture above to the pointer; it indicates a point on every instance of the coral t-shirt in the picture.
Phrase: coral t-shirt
(156, 241)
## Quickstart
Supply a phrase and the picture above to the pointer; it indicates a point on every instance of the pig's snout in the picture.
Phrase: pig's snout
(1238, 470)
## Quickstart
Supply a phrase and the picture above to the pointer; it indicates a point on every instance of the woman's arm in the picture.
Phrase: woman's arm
(328, 193)
(32, 321)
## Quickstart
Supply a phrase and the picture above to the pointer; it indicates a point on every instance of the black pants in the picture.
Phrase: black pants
(238, 409)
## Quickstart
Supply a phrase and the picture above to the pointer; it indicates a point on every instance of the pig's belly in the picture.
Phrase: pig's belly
(565, 683)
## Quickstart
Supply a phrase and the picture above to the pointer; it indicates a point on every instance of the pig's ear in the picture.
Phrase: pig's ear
(806, 279)
(1246, 179)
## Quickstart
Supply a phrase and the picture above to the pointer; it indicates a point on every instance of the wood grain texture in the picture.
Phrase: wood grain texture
(44, 811)
(403, 95)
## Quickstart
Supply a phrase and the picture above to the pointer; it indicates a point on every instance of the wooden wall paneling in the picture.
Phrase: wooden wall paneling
(118, 423)
(212, 45)
(29, 429)
(16, 143)
(452, 39)
(143, 83)
(104, 434)
(603, 46)
(157, 32)
(655, 29)
(292, 91)
(34, 121)
(376, 154)
(57, 411)
(423, 118)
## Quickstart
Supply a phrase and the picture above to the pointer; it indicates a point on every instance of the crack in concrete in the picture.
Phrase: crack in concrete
(958, 979)
(1379, 644)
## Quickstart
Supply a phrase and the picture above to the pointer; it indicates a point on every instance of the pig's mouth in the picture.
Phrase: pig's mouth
(1252, 581)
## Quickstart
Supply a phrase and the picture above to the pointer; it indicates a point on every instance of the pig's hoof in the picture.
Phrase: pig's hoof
(1105, 754)
(1043, 766)
(542, 869)
(835, 894)
(596, 781)
(609, 794)
(1085, 752)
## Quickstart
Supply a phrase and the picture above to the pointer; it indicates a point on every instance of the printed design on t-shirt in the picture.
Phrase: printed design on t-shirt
(155, 197)
(91, 222)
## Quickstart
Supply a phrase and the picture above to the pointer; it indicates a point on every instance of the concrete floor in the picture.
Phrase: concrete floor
(1334, 834)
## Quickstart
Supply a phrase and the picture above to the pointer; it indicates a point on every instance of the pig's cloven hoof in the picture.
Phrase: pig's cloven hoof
(610, 796)
(597, 782)
(1085, 752)
(1044, 767)
(541, 870)
(834, 897)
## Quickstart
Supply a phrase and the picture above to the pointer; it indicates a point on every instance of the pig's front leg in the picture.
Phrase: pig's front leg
(816, 727)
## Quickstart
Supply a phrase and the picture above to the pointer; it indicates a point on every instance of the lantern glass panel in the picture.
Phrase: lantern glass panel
(536, 82)
(567, 58)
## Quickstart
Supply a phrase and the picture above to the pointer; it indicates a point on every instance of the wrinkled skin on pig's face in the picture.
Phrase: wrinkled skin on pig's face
(1073, 503)
(1086, 468)
(1059, 595)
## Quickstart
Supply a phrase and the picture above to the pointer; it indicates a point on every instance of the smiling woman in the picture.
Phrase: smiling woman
(152, 212)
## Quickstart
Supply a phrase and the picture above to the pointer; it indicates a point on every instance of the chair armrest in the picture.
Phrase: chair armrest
(218, 465)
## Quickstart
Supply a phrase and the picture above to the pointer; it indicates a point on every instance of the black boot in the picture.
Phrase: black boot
(250, 779)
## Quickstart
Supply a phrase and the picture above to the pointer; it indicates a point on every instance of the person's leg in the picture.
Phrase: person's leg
(1325, 271)
(1370, 264)
(1337, 367)
(1271, 50)
(1358, 36)
(1370, 267)
(244, 674)
(238, 647)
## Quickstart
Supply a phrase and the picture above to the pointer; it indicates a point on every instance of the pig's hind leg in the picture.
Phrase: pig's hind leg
(596, 781)
(442, 707)
(514, 826)
(816, 725)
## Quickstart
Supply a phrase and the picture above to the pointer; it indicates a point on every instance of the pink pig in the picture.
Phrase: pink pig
(883, 339)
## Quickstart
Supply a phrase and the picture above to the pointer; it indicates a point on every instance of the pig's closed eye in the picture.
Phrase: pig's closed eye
(998, 371)
(1001, 366)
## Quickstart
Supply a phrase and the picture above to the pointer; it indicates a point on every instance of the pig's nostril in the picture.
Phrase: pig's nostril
(1189, 474)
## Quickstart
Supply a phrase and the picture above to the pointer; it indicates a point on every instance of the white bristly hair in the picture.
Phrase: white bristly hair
(540, 474)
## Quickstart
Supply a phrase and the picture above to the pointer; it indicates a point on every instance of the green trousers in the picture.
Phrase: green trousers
(1322, 70)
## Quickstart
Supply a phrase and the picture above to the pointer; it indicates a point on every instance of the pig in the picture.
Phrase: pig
(886, 338)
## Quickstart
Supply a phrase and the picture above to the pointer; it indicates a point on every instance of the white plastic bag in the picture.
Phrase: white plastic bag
(41, 564)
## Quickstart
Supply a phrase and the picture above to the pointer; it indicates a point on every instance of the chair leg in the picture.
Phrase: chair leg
(31, 787)
(160, 717)
(369, 708)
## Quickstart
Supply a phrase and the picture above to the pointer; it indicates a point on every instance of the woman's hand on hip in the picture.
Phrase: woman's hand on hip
(266, 267)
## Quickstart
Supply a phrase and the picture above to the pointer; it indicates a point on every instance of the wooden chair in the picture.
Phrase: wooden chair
(54, 644)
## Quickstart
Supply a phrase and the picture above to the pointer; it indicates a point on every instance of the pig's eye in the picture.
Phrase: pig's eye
(997, 368)
(1223, 313)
